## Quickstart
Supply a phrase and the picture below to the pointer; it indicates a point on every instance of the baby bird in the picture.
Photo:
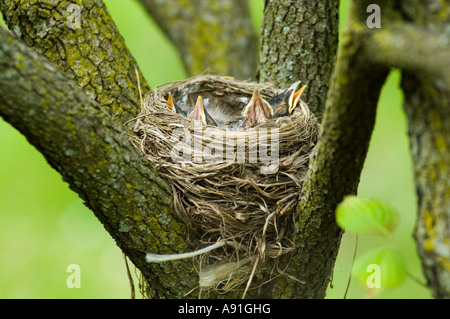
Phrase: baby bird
(256, 112)
(199, 113)
(171, 103)
(284, 103)
(173, 107)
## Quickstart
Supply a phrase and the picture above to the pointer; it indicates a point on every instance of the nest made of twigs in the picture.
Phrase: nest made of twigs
(240, 187)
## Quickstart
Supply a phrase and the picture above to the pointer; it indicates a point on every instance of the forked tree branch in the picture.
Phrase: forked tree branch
(81, 137)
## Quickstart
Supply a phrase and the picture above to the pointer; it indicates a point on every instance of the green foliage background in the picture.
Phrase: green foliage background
(44, 227)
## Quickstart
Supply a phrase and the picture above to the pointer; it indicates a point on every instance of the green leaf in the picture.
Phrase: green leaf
(380, 268)
(367, 216)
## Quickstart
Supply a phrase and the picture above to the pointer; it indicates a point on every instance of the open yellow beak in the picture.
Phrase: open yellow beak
(198, 113)
(257, 110)
(296, 98)
(171, 103)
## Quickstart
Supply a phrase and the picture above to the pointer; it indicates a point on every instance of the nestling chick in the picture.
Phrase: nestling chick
(199, 113)
(284, 103)
(256, 112)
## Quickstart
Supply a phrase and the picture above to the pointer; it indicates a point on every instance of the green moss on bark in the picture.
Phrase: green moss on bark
(93, 54)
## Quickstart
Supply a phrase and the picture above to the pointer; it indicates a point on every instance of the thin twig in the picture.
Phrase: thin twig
(130, 278)
(351, 266)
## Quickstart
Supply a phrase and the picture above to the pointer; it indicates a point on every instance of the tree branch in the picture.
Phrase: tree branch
(335, 167)
(93, 53)
(427, 106)
(299, 42)
(86, 145)
(414, 38)
(215, 35)
(410, 48)
(425, 82)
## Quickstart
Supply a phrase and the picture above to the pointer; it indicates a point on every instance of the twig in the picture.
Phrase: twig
(130, 278)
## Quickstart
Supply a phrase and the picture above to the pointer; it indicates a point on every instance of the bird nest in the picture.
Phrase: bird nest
(239, 187)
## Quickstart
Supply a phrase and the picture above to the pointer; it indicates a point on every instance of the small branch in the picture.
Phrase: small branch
(83, 41)
(410, 48)
(210, 35)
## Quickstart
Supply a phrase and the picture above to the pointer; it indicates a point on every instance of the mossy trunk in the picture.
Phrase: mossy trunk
(427, 106)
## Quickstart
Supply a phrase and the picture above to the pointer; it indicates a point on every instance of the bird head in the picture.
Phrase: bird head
(258, 110)
(198, 113)
(295, 98)
(285, 102)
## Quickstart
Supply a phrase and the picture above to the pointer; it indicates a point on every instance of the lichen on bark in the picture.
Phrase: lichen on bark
(93, 53)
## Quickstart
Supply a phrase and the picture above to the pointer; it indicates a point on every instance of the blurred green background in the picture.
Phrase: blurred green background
(44, 227)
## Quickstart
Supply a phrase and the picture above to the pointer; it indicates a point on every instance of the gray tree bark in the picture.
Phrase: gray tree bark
(299, 41)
